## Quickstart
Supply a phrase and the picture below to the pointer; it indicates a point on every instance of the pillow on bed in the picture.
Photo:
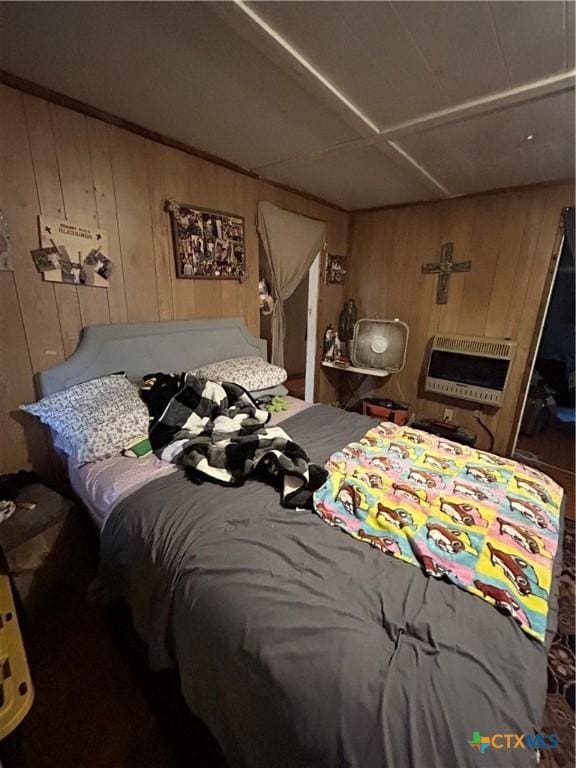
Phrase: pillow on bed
(278, 391)
(96, 419)
(252, 373)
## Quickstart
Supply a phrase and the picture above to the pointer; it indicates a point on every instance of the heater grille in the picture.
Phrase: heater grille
(469, 367)
(474, 345)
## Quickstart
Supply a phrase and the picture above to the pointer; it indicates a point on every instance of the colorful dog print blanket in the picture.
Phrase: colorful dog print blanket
(488, 524)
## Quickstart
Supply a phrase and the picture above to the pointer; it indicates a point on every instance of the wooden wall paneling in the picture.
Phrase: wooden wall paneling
(305, 207)
(460, 229)
(250, 194)
(534, 220)
(19, 200)
(272, 194)
(437, 232)
(27, 303)
(105, 198)
(49, 187)
(129, 168)
(15, 375)
(456, 220)
(417, 295)
(509, 263)
(23, 438)
(77, 180)
(360, 255)
(158, 159)
(230, 289)
(176, 187)
(478, 283)
(73, 153)
(440, 231)
(43, 151)
(372, 285)
(242, 289)
(404, 286)
(380, 280)
(203, 179)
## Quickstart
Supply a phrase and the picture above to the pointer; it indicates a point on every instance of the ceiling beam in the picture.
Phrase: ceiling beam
(418, 166)
(466, 196)
(305, 63)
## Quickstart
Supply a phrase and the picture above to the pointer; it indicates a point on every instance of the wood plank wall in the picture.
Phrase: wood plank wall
(59, 162)
(509, 237)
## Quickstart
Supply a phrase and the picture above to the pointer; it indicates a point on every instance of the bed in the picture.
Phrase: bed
(296, 644)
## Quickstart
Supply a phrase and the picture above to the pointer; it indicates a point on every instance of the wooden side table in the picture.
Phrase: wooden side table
(48, 549)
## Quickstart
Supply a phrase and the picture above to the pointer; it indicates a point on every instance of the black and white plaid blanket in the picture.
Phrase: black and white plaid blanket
(218, 433)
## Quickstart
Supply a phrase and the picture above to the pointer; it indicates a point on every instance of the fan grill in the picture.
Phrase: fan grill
(380, 344)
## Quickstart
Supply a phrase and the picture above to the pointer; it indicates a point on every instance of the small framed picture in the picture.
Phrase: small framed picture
(335, 269)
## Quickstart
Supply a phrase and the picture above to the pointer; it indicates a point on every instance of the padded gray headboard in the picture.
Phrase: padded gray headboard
(141, 348)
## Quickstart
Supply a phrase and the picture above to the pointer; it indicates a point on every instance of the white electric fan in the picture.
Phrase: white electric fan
(379, 345)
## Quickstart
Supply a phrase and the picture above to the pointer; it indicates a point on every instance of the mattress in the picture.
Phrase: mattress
(300, 646)
(102, 484)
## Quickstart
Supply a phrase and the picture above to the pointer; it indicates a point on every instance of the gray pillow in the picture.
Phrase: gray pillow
(271, 392)
(96, 419)
(252, 373)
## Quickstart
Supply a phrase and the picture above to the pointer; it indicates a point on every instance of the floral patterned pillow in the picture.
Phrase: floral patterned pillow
(96, 419)
(252, 373)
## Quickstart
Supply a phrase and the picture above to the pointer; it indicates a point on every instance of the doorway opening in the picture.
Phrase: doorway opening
(546, 435)
(296, 311)
(301, 312)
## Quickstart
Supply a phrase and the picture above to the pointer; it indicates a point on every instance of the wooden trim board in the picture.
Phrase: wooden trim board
(466, 196)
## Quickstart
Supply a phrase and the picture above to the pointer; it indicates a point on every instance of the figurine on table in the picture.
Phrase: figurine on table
(328, 345)
(347, 321)
(265, 298)
(337, 348)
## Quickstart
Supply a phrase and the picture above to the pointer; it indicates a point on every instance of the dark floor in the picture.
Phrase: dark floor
(96, 705)
(295, 385)
(554, 445)
(553, 449)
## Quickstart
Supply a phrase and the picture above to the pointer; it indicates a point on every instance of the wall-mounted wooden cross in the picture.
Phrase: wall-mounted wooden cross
(444, 268)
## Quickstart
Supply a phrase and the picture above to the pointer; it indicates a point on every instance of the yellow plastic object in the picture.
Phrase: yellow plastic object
(16, 690)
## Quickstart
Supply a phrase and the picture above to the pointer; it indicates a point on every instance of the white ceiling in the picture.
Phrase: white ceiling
(361, 103)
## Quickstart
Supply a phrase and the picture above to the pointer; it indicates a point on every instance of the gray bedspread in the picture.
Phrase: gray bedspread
(301, 647)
